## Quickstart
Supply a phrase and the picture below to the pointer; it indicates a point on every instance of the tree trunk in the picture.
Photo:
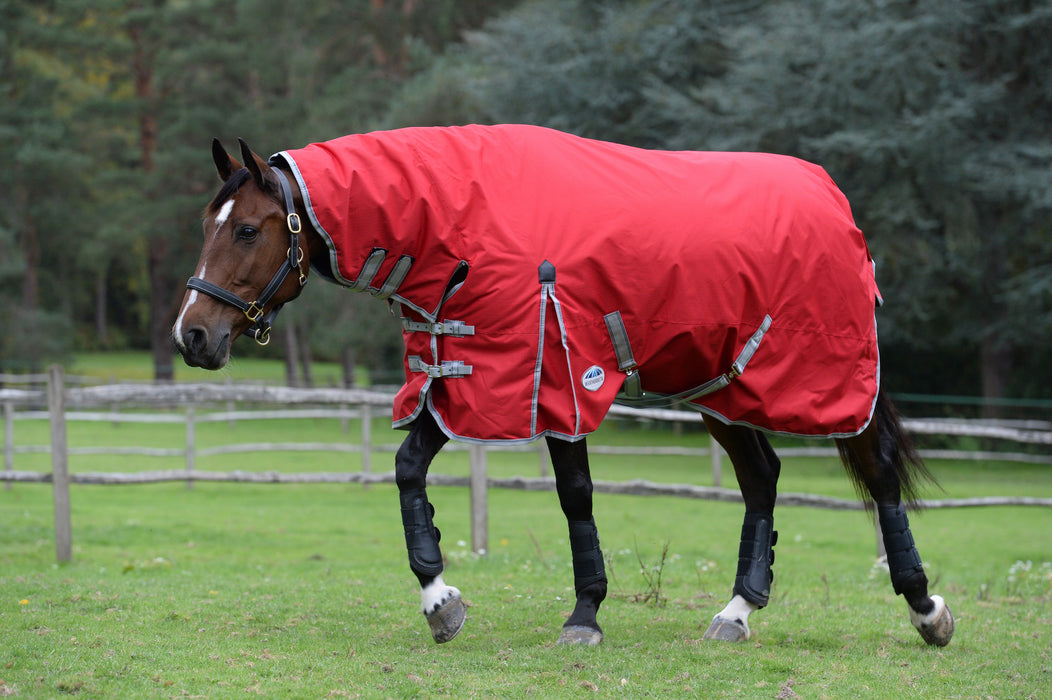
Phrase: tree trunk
(162, 311)
(162, 315)
(996, 367)
(292, 357)
(347, 364)
(101, 323)
(30, 245)
(306, 359)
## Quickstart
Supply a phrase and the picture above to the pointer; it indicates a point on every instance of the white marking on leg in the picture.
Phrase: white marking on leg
(178, 332)
(919, 620)
(436, 594)
(738, 609)
(937, 626)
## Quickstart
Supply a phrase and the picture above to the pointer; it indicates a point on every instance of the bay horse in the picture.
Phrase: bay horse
(539, 277)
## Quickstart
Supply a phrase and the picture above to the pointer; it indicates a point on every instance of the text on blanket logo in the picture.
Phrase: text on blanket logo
(593, 378)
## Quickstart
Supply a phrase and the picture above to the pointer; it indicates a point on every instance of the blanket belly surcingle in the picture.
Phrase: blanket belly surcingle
(536, 270)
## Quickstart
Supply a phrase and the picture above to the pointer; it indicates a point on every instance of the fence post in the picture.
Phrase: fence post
(479, 508)
(543, 458)
(191, 443)
(56, 403)
(367, 441)
(9, 440)
(717, 461)
(231, 405)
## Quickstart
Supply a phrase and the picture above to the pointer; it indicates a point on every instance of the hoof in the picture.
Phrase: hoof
(937, 626)
(725, 630)
(579, 634)
(447, 619)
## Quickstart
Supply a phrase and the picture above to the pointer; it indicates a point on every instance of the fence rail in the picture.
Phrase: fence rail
(73, 403)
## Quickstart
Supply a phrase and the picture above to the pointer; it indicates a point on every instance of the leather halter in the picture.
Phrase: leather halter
(253, 310)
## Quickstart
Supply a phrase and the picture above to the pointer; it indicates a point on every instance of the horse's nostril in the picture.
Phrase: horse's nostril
(195, 341)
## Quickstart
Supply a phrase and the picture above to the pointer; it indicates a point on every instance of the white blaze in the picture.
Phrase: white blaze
(178, 331)
(222, 215)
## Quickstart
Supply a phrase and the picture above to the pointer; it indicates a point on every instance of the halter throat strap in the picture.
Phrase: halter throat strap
(253, 310)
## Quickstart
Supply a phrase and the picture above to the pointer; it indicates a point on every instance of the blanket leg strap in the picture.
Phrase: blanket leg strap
(626, 361)
(755, 558)
(632, 391)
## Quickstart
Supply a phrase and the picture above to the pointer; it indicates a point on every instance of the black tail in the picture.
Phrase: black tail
(893, 448)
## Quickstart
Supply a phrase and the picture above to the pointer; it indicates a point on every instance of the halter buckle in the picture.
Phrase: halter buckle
(254, 312)
(293, 222)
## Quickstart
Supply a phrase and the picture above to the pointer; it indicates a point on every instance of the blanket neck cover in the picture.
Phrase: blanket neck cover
(536, 271)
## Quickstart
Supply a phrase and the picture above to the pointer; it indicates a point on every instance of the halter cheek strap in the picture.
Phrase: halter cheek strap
(253, 310)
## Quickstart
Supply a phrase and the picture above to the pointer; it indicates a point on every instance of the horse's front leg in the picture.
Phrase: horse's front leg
(441, 604)
(574, 485)
(757, 468)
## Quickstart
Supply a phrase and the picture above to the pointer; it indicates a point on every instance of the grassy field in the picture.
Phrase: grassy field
(303, 591)
(138, 366)
(234, 590)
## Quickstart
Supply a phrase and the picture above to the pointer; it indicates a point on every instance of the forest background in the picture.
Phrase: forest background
(933, 116)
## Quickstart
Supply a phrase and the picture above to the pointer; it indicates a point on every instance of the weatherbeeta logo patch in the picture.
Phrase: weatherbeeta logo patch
(593, 378)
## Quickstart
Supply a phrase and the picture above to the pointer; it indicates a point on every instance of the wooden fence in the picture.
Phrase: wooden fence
(59, 404)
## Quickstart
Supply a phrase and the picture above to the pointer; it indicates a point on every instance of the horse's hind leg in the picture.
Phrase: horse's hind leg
(756, 467)
(882, 459)
(441, 604)
(573, 482)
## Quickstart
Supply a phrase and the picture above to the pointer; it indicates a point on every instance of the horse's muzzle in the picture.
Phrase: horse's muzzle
(199, 349)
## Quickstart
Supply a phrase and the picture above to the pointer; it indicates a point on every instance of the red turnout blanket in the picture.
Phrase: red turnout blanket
(536, 271)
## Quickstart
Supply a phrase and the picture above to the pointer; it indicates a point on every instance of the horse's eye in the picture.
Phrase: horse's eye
(246, 233)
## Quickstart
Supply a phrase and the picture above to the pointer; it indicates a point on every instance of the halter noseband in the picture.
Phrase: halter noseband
(253, 310)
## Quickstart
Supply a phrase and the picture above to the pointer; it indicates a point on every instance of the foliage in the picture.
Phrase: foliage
(107, 112)
(593, 68)
(39, 174)
(909, 105)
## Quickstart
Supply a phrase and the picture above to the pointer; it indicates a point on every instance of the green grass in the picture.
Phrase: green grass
(138, 366)
(228, 590)
(303, 591)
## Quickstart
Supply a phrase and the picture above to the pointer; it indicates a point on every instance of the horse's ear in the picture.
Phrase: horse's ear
(257, 166)
(225, 165)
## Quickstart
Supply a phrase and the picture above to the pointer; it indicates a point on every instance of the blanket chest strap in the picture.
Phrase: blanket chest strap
(454, 329)
(369, 269)
(448, 368)
(394, 278)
